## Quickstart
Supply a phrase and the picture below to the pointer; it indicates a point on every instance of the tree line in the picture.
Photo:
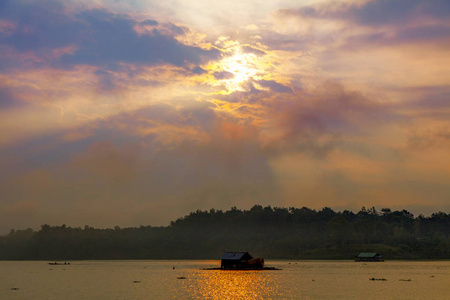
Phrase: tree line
(272, 233)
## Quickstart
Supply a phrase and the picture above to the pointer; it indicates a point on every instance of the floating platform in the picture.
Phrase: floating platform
(246, 269)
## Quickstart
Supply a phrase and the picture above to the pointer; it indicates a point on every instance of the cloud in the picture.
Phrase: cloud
(375, 12)
(250, 49)
(223, 75)
(112, 40)
(317, 123)
(401, 44)
(96, 37)
(274, 86)
(424, 34)
(331, 108)
(436, 34)
(368, 24)
(180, 158)
(381, 12)
(288, 42)
(314, 122)
(198, 71)
(37, 25)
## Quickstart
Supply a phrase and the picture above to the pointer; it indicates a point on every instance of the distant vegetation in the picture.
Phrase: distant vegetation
(272, 233)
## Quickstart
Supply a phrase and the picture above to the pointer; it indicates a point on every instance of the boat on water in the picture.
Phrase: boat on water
(240, 260)
(366, 257)
(58, 264)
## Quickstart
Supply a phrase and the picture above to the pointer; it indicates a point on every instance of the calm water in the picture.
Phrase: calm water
(158, 280)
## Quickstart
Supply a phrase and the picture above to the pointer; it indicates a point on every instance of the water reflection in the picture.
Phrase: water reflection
(158, 280)
(217, 284)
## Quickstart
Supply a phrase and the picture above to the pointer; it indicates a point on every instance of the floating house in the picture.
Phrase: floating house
(239, 261)
(369, 257)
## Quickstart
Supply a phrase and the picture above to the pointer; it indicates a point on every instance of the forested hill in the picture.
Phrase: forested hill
(272, 233)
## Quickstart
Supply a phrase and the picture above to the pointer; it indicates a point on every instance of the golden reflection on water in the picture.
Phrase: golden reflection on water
(218, 284)
(158, 280)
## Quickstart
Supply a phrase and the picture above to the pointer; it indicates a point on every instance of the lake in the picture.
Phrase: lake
(154, 279)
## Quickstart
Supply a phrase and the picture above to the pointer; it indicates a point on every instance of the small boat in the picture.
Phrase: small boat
(58, 264)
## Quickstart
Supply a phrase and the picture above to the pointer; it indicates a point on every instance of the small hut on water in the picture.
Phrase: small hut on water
(369, 257)
(240, 260)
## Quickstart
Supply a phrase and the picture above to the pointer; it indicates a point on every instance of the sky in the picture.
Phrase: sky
(128, 113)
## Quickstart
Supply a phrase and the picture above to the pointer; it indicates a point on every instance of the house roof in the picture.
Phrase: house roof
(235, 255)
(370, 254)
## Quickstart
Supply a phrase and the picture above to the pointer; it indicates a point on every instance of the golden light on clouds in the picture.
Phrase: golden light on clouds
(237, 70)
(243, 67)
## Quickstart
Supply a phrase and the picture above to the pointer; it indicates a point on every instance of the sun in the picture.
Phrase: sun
(236, 71)
(243, 67)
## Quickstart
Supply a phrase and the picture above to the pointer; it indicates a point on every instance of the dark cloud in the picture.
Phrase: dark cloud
(38, 25)
(111, 39)
(149, 22)
(382, 12)
(197, 70)
(274, 86)
(223, 75)
(98, 37)
(424, 33)
(375, 12)
(106, 80)
(317, 123)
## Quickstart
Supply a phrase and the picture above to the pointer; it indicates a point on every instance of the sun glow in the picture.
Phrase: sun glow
(237, 71)
(243, 67)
